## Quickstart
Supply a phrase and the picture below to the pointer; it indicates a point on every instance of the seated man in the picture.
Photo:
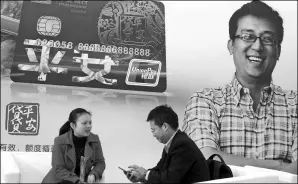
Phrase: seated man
(181, 162)
(250, 121)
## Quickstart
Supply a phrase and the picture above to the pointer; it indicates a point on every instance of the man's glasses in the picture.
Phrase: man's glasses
(265, 39)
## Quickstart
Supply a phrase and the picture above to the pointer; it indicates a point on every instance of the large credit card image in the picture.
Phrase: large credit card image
(97, 44)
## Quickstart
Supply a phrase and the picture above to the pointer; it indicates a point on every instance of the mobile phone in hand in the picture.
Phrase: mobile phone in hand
(125, 171)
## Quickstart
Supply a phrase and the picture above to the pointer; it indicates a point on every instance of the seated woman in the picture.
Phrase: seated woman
(75, 140)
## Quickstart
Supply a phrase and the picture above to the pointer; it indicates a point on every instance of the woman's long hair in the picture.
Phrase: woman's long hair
(73, 116)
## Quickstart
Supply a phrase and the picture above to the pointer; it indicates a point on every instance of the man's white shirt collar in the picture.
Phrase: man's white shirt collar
(168, 144)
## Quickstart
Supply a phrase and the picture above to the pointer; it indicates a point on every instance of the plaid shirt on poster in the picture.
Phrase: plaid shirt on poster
(224, 119)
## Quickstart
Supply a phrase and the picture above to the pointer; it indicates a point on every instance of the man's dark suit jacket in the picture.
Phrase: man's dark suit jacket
(184, 163)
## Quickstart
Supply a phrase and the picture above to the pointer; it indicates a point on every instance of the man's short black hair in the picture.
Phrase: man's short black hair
(261, 10)
(163, 114)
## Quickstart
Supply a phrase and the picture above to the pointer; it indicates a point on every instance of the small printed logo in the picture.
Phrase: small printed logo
(49, 26)
(143, 72)
(43, 1)
(22, 118)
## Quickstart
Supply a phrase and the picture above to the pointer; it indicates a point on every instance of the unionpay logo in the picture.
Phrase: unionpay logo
(143, 72)
(49, 26)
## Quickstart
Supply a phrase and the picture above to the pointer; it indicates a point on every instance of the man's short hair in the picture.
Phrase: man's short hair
(261, 10)
(163, 114)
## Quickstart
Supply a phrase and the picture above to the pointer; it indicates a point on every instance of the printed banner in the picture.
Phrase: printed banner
(98, 44)
(26, 148)
(22, 118)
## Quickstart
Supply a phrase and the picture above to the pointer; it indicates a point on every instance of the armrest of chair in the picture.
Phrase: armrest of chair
(264, 178)
(10, 172)
(283, 176)
(237, 170)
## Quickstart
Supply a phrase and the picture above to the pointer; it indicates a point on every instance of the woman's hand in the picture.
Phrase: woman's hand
(91, 178)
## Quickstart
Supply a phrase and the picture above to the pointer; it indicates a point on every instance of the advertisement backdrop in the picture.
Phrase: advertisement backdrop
(196, 57)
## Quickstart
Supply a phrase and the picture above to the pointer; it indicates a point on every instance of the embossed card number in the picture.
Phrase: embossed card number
(98, 44)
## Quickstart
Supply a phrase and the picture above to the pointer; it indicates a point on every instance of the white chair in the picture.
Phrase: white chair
(33, 165)
(10, 172)
(283, 177)
(25, 167)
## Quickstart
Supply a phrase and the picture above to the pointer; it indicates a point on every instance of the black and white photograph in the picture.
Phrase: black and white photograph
(149, 92)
